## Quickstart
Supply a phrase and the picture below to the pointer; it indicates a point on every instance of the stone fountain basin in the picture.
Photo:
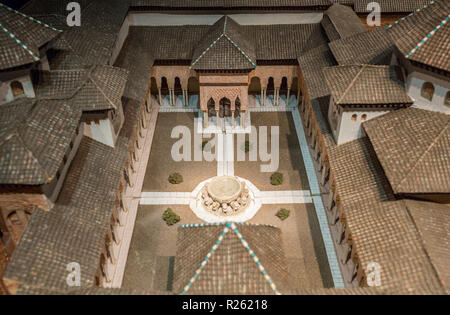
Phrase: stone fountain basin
(224, 189)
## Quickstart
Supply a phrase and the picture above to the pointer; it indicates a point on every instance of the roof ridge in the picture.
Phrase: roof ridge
(206, 259)
(255, 259)
(30, 18)
(435, 140)
(419, 235)
(240, 50)
(18, 41)
(46, 175)
(99, 88)
(412, 13)
(351, 84)
(428, 36)
(206, 50)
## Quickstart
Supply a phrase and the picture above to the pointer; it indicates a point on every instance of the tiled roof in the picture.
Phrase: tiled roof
(218, 4)
(97, 88)
(381, 229)
(180, 42)
(311, 64)
(74, 230)
(34, 137)
(229, 258)
(413, 147)
(31, 290)
(367, 85)
(137, 58)
(224, 47)
(424, 36)
(432, 221)
(369, 47)
(93, 42)
(391, 6)
(342, 22)
(21, 36)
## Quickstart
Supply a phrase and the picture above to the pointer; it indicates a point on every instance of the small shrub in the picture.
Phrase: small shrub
(276, 179)
(283, 214)
(175, 178)
(171, 217)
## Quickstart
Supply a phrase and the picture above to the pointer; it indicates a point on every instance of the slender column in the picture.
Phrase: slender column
(288, 96)
(262, 96)
(298, 97)
(233, 119)
(160, 97)
(217, 119)
(243, 119)
(205, 119)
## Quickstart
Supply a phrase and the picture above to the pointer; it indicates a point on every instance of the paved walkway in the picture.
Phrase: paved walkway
(225, 166)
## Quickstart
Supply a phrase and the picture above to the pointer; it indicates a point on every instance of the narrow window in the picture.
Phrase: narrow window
(17, 88)
(428, 91)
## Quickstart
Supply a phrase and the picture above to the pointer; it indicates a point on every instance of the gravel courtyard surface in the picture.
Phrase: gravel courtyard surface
(290, 156)
(303, 245)
(153, 247)
(161, 164)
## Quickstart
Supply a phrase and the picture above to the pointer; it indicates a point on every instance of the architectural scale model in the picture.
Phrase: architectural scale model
(223, 147)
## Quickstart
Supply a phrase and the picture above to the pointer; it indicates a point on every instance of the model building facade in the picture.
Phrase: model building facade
(87, 120)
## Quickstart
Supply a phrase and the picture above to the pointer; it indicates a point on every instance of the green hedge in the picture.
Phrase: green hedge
(175, 178)
(283, 214)
(171, 217)
(276, 179)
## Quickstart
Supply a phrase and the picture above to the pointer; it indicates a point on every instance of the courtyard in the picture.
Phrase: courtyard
(153, 248)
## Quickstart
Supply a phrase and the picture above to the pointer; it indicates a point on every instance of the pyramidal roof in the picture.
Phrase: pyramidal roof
(21, 36)
(229, 258)
(424, 35)
(225, 47)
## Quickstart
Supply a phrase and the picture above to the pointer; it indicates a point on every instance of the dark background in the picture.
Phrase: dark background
(16, 4)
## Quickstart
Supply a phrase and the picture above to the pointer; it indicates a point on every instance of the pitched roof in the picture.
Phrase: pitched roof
(391, 6)
(94, 41)
(229, 258)
(225, 47)
(370, 47)
(432, 221)
(21, 36)
(34, 140)
(74, 230)
(341, 21)
(413, 147)
(380, 228)
(226, 4)
(97, 88)
(367, 85)
(424, 35)
(311, 63)
(180, 42)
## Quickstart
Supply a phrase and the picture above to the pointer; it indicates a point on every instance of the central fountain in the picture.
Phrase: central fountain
(225, 198)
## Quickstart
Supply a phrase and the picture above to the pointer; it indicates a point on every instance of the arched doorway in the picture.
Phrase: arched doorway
(254, 87)
(270, 86)
(211, 108)
(164, 86)
(177, 87)
(237, 108)
(153, 86)
(224, 108)
(284, 86)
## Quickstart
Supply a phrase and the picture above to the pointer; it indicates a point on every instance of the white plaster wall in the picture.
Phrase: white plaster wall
(441, 87)
(27, 88)
(349, 130)
(103, 132)
(160, 19)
